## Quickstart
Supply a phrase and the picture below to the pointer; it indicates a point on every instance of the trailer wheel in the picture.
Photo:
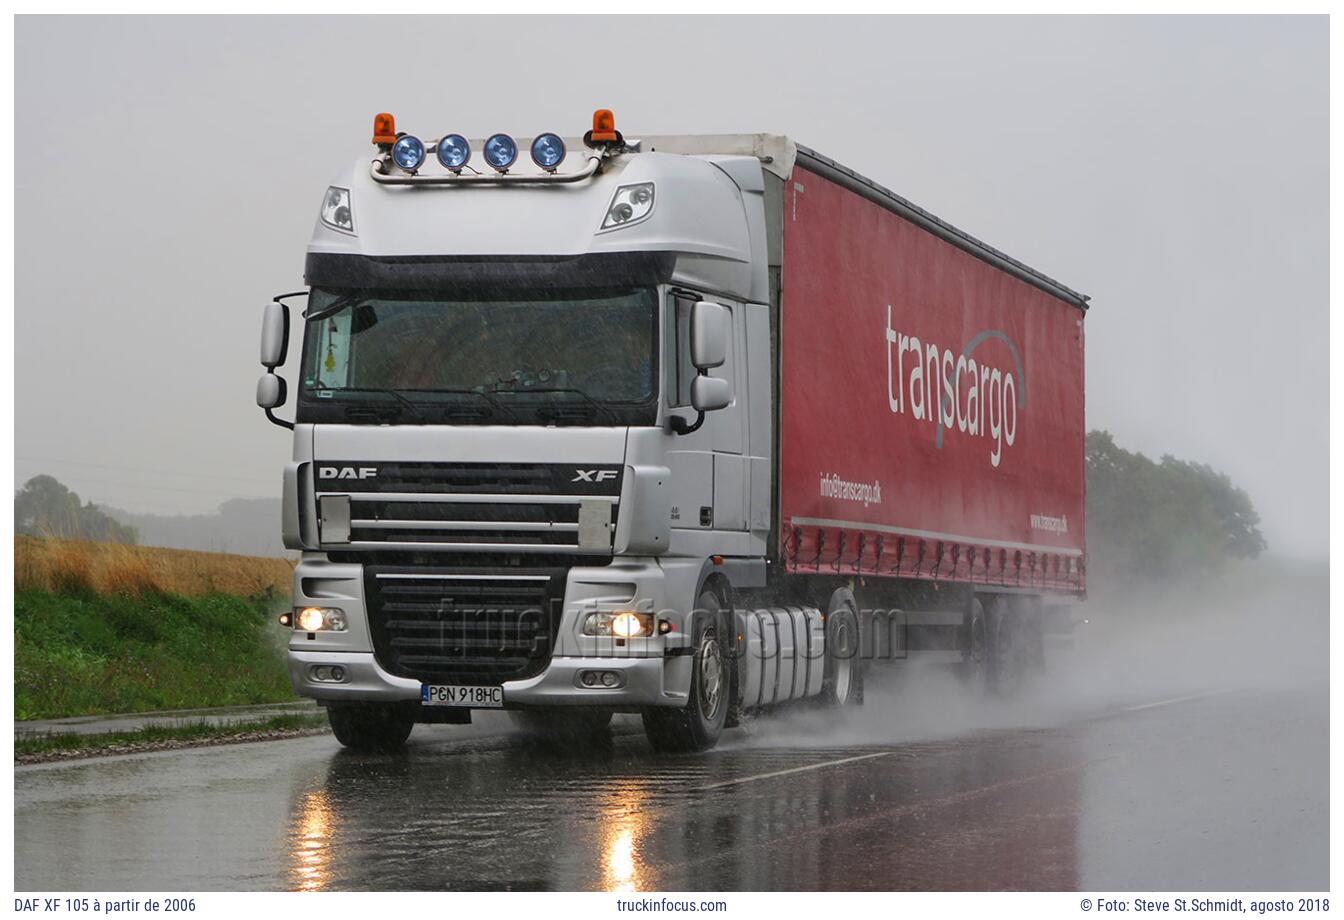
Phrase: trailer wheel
(975, 653)
(372, 726)
(842, 680)
(561, 723)
(1005, 648)
(697, 726)
(1031, 618)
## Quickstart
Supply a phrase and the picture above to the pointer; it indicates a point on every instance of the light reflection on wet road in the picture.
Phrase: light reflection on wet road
(1223, 792)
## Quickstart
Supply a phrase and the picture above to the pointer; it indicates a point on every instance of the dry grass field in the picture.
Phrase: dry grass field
(44, 564)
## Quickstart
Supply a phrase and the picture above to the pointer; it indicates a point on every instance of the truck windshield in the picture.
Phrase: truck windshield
(554, 357)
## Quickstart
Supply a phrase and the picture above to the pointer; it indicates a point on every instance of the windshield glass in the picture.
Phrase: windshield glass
(527, 353)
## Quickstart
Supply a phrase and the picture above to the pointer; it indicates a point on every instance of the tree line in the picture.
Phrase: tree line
(44, 507)
(1144, 517)
(1165, 517)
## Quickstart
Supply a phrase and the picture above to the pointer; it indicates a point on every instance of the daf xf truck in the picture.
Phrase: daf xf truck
(683, 426)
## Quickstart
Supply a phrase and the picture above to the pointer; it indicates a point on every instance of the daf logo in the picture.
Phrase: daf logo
(594, 475)
(347, 472)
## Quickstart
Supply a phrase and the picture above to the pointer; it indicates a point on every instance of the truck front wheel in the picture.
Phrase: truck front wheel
(371, 726)
(697, 726)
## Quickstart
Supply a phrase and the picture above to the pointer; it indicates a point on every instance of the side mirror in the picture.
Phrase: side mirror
(270, 391)
(710, 325)
(274, 335)
(710, 393)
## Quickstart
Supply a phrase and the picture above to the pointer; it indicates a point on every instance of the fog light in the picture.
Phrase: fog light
(327, 673)
(601, 680)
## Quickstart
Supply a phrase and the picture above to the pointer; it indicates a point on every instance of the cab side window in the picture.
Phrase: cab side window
(680, 369)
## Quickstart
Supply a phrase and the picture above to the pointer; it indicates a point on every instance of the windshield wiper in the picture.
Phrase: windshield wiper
(415, 410)
(600, 407)
(490, 400)
(336, 306)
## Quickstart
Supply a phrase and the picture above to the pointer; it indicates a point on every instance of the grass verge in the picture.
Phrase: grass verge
(163, 737)
(114, 628)
(78, 652)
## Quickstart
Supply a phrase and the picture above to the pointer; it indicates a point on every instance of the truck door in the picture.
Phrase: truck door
(709, 468)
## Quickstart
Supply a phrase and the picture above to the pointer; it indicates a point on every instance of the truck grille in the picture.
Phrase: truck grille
(473, 507)
(440, 626)
(513, 525)
(446, 477)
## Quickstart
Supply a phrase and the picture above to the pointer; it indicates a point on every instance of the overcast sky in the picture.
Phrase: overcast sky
(169, 170)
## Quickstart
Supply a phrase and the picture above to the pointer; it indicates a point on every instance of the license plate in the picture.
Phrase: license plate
(477, 697)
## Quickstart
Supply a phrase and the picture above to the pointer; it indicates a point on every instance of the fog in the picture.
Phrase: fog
(1262, 626)
(169, 170)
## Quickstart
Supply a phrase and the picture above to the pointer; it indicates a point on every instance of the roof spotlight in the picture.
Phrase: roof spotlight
(547, 151)
(408, 152)
(454, 151)
(500, 151)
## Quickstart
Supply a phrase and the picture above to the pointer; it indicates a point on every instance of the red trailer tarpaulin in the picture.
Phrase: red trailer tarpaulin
(931, 408)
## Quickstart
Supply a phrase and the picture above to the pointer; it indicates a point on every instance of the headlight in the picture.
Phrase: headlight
(316, 619)
(408, 152)
(623, 624)
(336, 210)
(630, 205)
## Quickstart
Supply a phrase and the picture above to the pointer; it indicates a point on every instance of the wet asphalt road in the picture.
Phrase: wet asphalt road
(1227, 791)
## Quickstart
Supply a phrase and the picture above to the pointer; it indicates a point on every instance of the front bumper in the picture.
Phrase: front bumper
(647, 681)
(656, 671)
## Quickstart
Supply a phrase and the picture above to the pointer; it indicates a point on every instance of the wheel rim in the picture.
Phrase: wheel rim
(711, 677)
(978, 643)
(1006, 659)
(844, 665)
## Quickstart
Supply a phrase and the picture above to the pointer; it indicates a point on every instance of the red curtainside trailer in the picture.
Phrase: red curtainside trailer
(931, 411)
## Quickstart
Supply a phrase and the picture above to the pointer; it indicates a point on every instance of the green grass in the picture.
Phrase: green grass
(154, 735)
(82, 653)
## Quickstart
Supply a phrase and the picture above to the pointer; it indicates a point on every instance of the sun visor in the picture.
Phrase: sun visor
(344, 271)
